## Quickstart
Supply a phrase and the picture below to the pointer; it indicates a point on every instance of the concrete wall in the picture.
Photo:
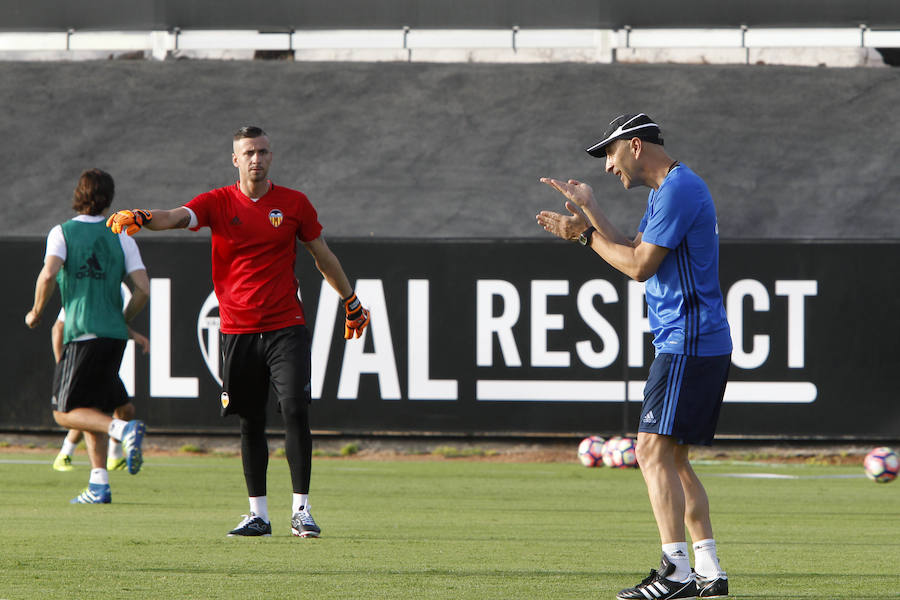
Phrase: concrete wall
(455, 150)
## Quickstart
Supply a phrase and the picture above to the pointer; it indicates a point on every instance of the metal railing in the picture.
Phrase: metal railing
(596, 45)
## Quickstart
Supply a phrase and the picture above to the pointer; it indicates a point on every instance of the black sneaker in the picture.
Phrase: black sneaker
(303, 525)
(656, 587)
(251, 525)
(713, 587)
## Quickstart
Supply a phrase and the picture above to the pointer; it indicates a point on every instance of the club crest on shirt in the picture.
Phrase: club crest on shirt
(275, 217)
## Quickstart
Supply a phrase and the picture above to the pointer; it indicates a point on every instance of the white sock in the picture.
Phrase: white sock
(300, 502)
(677, 553)
(68, 448)
(99, 476)
(706, 563)
(117, 429)
(259, 506)
(114, 449)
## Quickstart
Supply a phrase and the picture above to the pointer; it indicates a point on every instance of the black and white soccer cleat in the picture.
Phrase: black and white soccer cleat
(657, 587)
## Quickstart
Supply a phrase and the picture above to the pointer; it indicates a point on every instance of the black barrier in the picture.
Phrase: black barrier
(281, 15)
(478, 337)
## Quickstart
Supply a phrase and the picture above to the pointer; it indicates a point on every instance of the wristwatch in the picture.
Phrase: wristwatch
(585, 238)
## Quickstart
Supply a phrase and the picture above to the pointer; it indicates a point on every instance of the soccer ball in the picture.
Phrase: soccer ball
(606, 450)
(881, 465)
(589, 451)
(622, 453)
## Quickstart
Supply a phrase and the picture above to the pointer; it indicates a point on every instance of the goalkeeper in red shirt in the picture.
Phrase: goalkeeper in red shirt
(265, 342)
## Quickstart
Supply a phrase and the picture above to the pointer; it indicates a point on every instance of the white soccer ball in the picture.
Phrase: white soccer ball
(606, 450)
(623, 453)
(882, 464)
(589, 451)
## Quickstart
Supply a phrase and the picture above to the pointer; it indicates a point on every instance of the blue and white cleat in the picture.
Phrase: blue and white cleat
(132, 438)
(94, 493)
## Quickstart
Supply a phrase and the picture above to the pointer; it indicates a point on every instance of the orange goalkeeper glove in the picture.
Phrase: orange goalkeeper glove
(129, 221)
(357, 317)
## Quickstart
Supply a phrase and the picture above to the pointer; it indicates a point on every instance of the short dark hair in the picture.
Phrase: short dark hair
(248, 131)
(94, 192)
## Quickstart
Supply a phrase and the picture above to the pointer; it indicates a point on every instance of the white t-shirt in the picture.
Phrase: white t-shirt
(56, 244)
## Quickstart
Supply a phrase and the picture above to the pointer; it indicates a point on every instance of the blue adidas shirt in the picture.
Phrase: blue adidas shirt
(684, 299)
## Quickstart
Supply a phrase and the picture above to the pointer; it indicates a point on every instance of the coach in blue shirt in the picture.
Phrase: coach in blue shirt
(676, 251)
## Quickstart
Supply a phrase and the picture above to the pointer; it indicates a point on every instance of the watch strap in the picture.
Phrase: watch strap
(585, 238)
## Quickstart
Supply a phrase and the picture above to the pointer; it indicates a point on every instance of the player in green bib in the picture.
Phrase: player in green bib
(88, 263)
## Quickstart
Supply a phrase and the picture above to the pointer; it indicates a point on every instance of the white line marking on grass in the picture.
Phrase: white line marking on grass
(757, 475)
(781, 476)
(25, 461)
(734, 463)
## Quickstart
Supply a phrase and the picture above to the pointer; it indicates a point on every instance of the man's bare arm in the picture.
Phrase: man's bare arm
(329, 266)
(635, 258)
(176, 218)
(139, 284)
(43, 290)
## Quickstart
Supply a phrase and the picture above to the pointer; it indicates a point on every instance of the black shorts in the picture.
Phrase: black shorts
(683, 396)
(256, 363)
(87, 376)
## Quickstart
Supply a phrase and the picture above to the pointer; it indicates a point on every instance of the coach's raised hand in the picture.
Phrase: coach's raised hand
(581, 194)
(129, 221)
(357, 317)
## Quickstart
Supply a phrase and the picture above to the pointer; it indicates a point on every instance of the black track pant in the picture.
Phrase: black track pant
(255, 365)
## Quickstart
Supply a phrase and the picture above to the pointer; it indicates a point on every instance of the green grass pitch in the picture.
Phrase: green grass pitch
(433, 529)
